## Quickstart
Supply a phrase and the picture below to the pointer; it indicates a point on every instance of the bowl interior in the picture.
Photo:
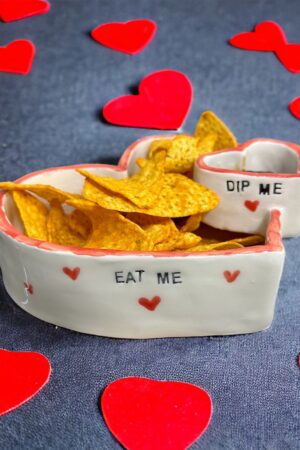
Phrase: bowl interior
(264, 156)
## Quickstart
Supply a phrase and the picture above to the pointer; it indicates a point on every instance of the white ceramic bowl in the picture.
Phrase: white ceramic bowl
(167, 294)
(256, 177)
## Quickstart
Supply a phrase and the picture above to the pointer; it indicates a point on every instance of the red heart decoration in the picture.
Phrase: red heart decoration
(231, 276)
(128, 37)
(269, 36)
(150, 304)
(22, 375)
(11, 10)
(163, 102)
(252, 206)
(17, 57)
(146, 414)
(29, 288)
(72, 273)
(294, 107)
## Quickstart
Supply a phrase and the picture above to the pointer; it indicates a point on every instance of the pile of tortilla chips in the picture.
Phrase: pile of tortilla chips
(158, 209)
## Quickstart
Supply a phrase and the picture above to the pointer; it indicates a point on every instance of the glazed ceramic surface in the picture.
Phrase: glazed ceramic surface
(138, 295)
(250, 180)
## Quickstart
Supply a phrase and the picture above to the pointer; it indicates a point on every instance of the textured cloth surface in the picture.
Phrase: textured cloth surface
(51, 118)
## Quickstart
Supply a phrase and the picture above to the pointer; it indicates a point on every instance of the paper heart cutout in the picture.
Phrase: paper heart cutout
(251, 205)
(127, 37)
(146, 414)
(269, 36)
(17, 57)
(294, 107)
(152, 304)
(11, 10)
(163, 102)
(22, 375)
(72, 273)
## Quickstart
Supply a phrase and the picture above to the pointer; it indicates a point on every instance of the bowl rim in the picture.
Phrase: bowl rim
(273, 233)
(202, 164)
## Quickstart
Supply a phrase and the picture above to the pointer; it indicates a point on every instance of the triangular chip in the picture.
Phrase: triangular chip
(33, 214)
(143, 188)
(209, 124)
(111, 230)
(157, 228)
(179, 241)
(179, 197)
(45, 191)
(58, 229)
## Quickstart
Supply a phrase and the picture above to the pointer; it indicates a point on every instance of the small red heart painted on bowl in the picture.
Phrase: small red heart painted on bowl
(146, 414)
(128, 37)
(231, 276)
(17, 57)
(294, 107)
(29, 288)
(163, 102)
(22, 375)
(72, 273)
(251, 205)
(11, 10)
(152, 304)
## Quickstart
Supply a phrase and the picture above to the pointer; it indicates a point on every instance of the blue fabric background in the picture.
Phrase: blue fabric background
(51, 117)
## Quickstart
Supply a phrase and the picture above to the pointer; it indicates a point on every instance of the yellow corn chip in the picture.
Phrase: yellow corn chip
(183, 151)
(143, 188)
(250, 240)
(111, 230)
(215, 246)
(178, 197)
(79, 222)
(33, 214)
(157, 228)
(179, 241)
(208, 124)
(45, 191)
(192, 223)
(58, 229)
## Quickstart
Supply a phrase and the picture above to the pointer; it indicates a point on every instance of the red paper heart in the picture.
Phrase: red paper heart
(252, 206)
(22, 375)
(11, 10)
(150, 304)
(72, 273)
(231, 276)
(269, 36)
(163, 102)
(294, 107)
(17, 57)
(146, 414)
(128, 37)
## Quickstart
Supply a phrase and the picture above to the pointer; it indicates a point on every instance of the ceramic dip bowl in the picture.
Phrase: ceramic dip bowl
(140, 295)
(257, 176)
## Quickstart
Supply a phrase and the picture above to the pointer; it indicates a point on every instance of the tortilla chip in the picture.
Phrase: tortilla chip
(58, 229)
(209, 124)
(179, 197)
(33, 214)
(45, 191)
(111, 230)
(192, 223)
(80, 223)
(179, 241)
(143, 188)
(157, 228)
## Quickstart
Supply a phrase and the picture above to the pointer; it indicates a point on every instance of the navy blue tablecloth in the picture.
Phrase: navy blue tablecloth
(51, 118)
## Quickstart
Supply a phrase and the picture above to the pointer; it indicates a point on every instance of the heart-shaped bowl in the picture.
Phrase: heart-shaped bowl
(256, 177)
(138, 294)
